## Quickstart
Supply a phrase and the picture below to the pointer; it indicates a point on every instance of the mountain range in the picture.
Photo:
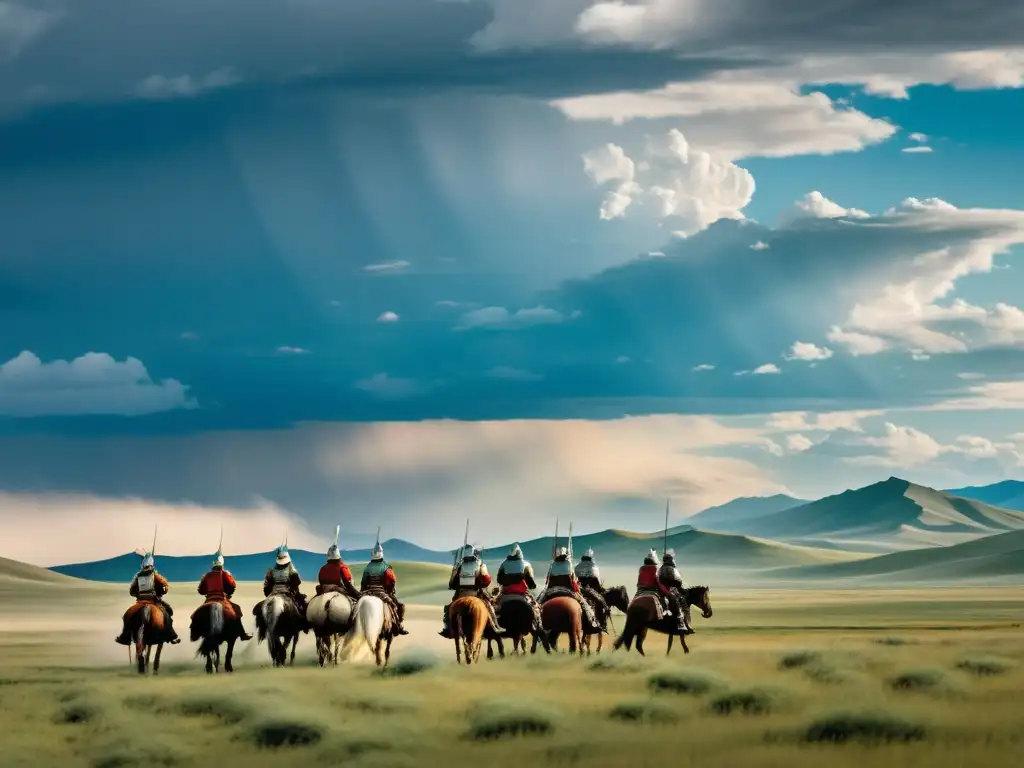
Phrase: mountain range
(765, 535)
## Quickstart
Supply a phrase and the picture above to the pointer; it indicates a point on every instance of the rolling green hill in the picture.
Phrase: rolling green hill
(1000, 555)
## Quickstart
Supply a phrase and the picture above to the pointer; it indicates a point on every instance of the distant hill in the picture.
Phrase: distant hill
(731, 516)
(12, 569)
(1009, 494)
(250, 567)
(1000, 555)
(886, 516)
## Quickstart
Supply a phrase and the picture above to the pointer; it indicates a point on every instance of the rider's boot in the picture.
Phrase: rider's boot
(446, 630)
(242, 634)
(400, 629)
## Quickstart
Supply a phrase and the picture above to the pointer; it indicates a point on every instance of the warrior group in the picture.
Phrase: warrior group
(469, 578)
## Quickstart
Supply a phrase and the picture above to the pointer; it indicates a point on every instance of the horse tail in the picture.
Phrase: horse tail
(213, 615)
(361, 638)
(273, 607)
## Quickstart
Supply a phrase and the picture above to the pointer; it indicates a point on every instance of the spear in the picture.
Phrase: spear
(666, 526)
(152, 551)
(554, 542)
(572, 571)
(220, 544)
(337, 533)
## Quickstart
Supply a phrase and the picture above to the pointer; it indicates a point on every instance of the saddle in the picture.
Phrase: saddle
(229, 610)
(552, 592)
(658, 599)
(391, 614)
(513, 598)
(138, 605)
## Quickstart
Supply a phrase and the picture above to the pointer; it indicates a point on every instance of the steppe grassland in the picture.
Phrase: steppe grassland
(911, 677)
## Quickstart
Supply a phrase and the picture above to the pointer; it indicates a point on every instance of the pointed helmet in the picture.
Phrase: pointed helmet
(561, 552)
(218, 560)
(515, 551)
(378, 552)
(670, 557)
(283, 558)
(589, 554)
(147, 561)
(333, 553)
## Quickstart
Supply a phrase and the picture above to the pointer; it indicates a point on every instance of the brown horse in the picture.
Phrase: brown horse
(562, 615)
(614, 597)
(147, 624)
(209, 626)
(470, 620)
(643, 614)
(517, 621)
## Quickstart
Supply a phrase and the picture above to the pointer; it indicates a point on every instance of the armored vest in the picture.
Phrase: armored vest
(512, 571)
(587, 569)
(280, 576)
(669, 574)
(468, 570)
(373, 574)
(560, 568)
(147, 584)
(215, 583)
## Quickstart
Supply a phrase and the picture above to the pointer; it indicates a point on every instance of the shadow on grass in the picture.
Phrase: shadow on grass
(747, 701)
(985, 666)
(867, 727)
(645, 712)
(509, 718)
(691, 682)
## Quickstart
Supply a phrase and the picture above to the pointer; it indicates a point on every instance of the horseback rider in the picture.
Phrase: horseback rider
(218, 585)
(561, 576)
(379, 577)
(670, 578)
(470, 579)
(284, 579)
(148, 586)
(589, 576)
(515, 577)
(335, 576)
(647, 581)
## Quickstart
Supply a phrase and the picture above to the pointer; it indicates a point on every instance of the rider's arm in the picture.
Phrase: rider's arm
(160, 585)
(346, 574)
(268, 584)
(229, 584)
(531, 583)
(133, 590)
(201, 589)
(390, 580)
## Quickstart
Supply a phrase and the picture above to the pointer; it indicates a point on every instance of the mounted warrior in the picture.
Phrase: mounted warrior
(562, 579)
(589, 576)
(217, 586)
(335, 576)
(470, 579)
(647, 581)
(284, 579)
(672, 582)
(515, 577)
(379, 578)
(148, 586)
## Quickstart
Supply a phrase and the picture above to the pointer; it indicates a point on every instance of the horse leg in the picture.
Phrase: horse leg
(686, 648)
(216, 659)
(490, 649)
(227, 656)
(377, 651)
(387, 651)
(295, 642)
(669, 649)
(140, 649)
(641, 635)
(209, 662)
(501, 647)
(600, 643)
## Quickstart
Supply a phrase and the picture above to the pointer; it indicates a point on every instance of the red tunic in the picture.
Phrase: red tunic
(218, 584)
(647, 579)
(334, 573)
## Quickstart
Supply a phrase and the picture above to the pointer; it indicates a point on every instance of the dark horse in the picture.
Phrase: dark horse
(643, 613)
(517, 621)
(147, 627)
(279, 622)
(614, 597)
(209, 627)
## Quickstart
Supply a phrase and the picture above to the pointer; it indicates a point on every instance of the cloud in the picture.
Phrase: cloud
(399, 265)
(989, 396)
(703, 367)
(918, 137)
(679, 183)
(21, 25)
(798, 443)
(387, 317)
(916, 149)
(293, 350)
(513, 374)
(797, 421)
(94, 383)
(499, 317)
(385, 387)
(759, 246)
(815, 205)
(183, 86)
(731, 118)
(805, 350)
(766, 368)
(857, 343)
(414, 478)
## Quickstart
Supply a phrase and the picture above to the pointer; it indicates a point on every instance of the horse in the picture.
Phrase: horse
(614, 597)
(147, 625)
(209, 626)
(470, 620)
(279, 622)
(329, 615)
(517, 621)
(562, 615)
(370, 631)
(643, 613)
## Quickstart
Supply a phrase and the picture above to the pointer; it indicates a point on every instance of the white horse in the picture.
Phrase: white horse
(279, 623)
(368, 634)
(329, 615)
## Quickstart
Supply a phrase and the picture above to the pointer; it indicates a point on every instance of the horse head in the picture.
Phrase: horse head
(617, 597)
(700, 596)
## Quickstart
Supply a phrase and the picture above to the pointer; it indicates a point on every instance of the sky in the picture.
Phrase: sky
(281, 265)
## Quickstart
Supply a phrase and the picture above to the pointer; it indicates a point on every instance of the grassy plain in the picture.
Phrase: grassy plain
(794, 678)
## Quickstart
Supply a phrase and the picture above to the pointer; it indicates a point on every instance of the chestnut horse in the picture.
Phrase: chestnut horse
(562, 615)
(614, 597)
(643, 613)
(147, 625)
(517, 621)
(470, 620)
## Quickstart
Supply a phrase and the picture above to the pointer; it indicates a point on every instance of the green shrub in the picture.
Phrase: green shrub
(644, 711)
(750, 701)
(865, 727)
(282, 732)
(690, 682)
(919, 680)
(508, 719)
(798, 659)
(985, 666)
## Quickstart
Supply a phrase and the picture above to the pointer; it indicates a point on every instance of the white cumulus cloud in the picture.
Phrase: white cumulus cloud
(805, 350)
